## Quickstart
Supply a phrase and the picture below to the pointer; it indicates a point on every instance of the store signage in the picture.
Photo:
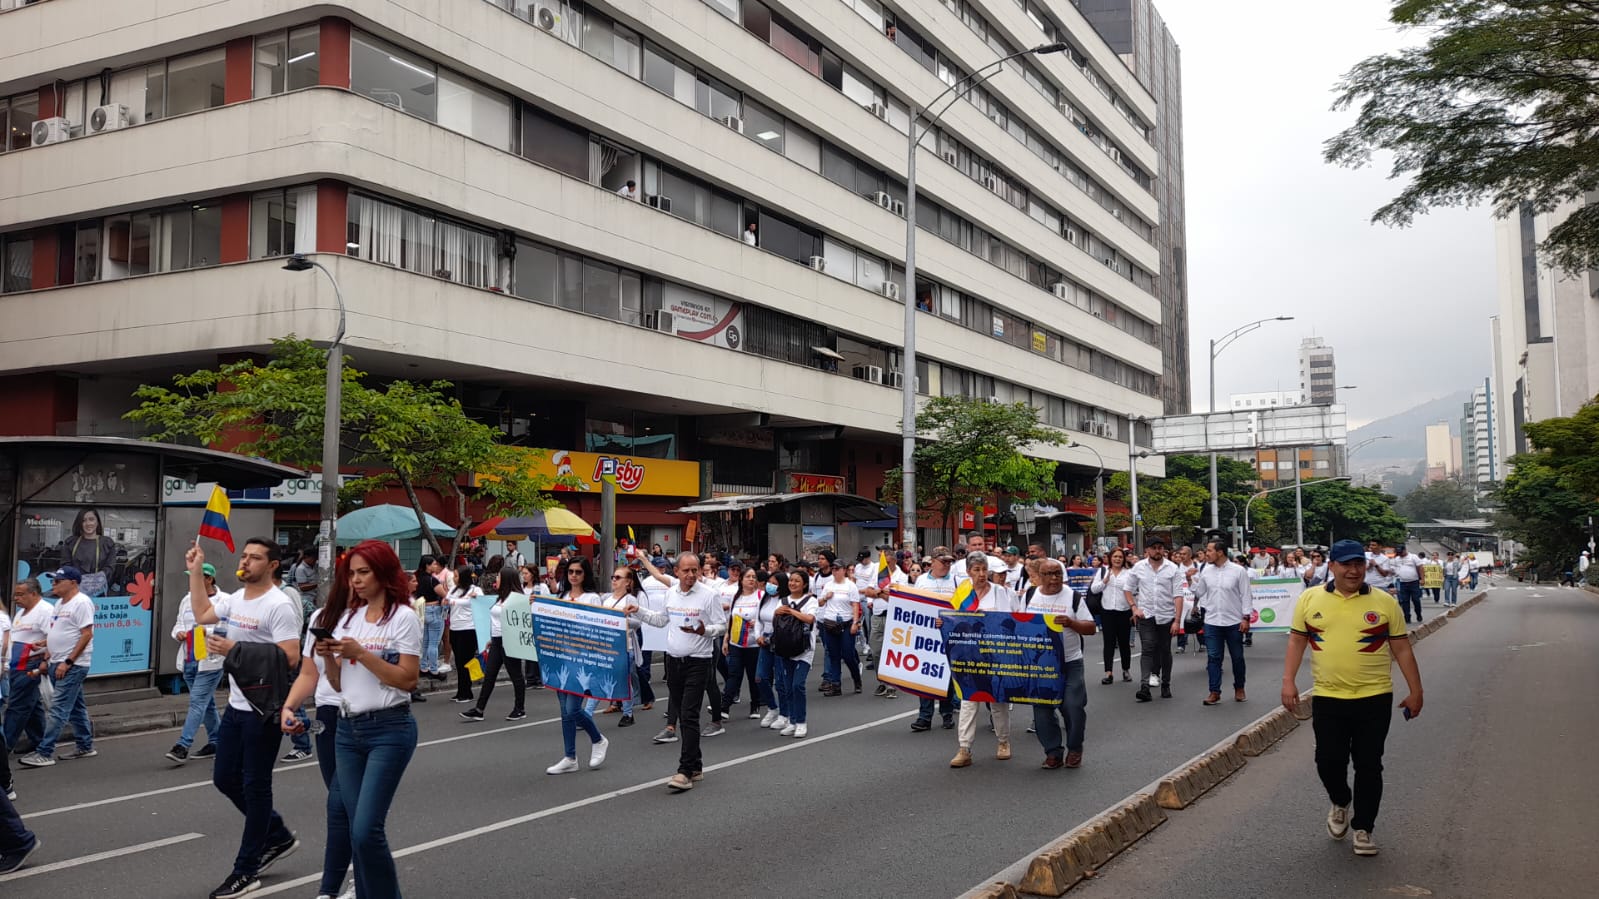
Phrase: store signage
(634, 475)
(814, 483)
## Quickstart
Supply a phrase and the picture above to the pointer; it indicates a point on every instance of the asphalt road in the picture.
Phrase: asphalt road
(1491, 792)
(863, 806)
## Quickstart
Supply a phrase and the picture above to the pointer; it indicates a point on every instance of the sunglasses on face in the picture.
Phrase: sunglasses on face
(618, 577)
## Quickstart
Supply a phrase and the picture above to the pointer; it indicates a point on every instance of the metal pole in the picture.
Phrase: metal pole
(607, 529)
(1099, 506)
(1132, 471)
(332, 412)
(1299, 505)
(1215, 514)
(907, 427)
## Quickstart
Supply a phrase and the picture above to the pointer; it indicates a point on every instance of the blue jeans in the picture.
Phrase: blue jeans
(247, 748)
(573, 717)
(791, 675)
(1451, 591)
(202, 703)
(67, 706)
(24, 716)
(590, 706)
(14, 837)
(373, 751)
(336, 855)
(1410, 597)
(746, 662)
(1473, 584)
(839, 645)
(1218, 636)
(1073, 707)
(432, 633)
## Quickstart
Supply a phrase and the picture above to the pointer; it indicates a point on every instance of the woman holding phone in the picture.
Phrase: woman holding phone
(365, 647)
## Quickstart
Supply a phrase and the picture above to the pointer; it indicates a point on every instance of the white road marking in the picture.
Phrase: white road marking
(206, 783)
(101, 856)
(476, 832)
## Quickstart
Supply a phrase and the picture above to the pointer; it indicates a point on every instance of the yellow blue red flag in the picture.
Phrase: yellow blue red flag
(214, 524)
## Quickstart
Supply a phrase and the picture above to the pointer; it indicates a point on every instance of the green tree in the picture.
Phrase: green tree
(407, 434)
(1334, 511)
(1497, 104)
(1443, 499)
(1235, 484)
(1175, 503)
(1551, 492)
(972, 449)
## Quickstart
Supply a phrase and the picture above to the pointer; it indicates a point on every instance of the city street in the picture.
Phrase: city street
(863, 806)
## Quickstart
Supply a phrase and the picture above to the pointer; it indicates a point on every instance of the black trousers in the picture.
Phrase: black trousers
(1154, 641)
(512, 666)
(463, 647)
(1118, 635)
(1358, 729)
(685, 686)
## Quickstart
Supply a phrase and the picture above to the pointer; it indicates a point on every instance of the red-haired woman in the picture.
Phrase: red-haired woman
(366, 673)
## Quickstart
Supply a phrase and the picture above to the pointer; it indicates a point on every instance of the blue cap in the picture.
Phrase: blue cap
(1346, 551)
(67, 573)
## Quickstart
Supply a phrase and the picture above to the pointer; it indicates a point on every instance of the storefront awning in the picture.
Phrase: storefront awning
(232, 471)
(846, 506)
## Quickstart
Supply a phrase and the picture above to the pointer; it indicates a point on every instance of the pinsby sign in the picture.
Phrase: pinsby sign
(634, 475)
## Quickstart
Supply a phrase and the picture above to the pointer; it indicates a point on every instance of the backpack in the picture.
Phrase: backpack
(791, 637)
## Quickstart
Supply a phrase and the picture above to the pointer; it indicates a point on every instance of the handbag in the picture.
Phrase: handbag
(1194, 621)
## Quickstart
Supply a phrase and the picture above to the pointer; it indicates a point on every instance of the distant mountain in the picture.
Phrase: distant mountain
(1408, 430)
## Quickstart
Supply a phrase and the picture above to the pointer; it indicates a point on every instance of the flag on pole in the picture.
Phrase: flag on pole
(215, 522)
(630, 537)
(885, 573)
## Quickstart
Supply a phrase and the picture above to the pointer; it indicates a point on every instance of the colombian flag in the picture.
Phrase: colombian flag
(740, 633)
(885, 573)
(215, 522)
(196, 644)
(965, 598)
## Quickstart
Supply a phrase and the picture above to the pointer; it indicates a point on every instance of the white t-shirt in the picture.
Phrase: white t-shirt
(32, 626)
(809, 606)
(839, 600)
(325, 694)
(1000, 598)
(866, 574)
(401, 635)
(67, 625)
(1407, 567)
(1375, 577)
(271, 617)
(942, 585)
(1061, 604)
(496, 619)
(749, 609)
(461, 608)
(699, 605)
(1016, 577)
(180, 631)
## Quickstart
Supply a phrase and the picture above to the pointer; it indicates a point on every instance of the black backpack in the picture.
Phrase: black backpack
(263, 675)
(790, 636)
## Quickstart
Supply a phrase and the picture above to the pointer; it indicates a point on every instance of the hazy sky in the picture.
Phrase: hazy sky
(1273, 230)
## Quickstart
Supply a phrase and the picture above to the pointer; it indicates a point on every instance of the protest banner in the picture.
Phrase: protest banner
(516, 628)
(1080, 579)
(482, 624)
(1274, 603)
(652, 638)
(1004, 656)
(582, 649)
(913, 649)
(1432, 577)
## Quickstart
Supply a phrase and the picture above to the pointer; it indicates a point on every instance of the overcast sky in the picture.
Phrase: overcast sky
(1273, 230)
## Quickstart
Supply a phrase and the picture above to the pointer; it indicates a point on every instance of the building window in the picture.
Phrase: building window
(537, 273)
(550, 141)
(668, 76)
(86, 253)
(272, 220)
(391, 235)
(191, 237)
(287, 61)
(394, 77)
(470, 109)
(16, 257)
(186, 84)
(130, 245)
(763, 126)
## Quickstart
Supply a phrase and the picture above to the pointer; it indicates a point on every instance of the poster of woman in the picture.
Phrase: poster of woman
(91, 550)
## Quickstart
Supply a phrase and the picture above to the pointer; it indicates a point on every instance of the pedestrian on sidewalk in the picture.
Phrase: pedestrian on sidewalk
(1223, 590)
(1154, 592)
(1358, 634)
(697, 621)
(200, 676)
(1055, 598)
(69, 642)
(24, 714)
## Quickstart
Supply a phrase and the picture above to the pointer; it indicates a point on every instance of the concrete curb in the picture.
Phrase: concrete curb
(1059, 866)
(116, 725)
(1180, 788)
(1265, 732)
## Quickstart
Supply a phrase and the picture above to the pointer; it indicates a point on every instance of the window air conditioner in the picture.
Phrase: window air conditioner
(872, 373)
(545, 17)
(659, 320)
(1087, 425)
(950, 157)
(662, 203)
(989, 183)
(53, 130)
(896, 380)
(108, 118)
(818, 263)
(1102, 428)
(734, 122)
(889, 289)
(880, 111)
(1060, 288)
(1070, 234)
(898, 208)
(882, 199)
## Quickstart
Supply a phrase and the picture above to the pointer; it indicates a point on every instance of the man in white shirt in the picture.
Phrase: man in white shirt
(940, 579)
(1015, 572)
(1055, 598)
(513, 557)
(24, 715)
(200, 676)
(248, 741)
(628, 191)
(1224, 590)
(1407, 570)
(697, 620)
(70, 642)
(974, 544)
(1154, 592)
(1379, 571)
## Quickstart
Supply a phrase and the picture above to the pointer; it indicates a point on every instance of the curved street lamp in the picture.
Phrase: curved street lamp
(327, 534)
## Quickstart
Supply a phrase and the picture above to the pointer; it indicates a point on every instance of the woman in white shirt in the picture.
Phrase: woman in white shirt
(743, 658)
(793, 670)
(840, 621)
(772, 587)
(1110, 583)
(365, 663)
(581, 587)
(990, 597)
(627, 596)
(507, 580)
(200, 676)
(463, 630)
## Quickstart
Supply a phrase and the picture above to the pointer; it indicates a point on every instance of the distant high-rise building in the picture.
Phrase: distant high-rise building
(1479, 437)
(1317, 375)
(1440, 452)
(1135, 30)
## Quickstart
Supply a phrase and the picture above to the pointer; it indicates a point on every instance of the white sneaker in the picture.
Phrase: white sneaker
(800, 730)
(789, 729)
(1338, 822)
(769, 717)
(597, 757)
(564, 766)
(1364, 845)
(778, 723)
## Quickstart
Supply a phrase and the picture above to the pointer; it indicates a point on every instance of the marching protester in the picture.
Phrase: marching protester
(792, 641)
(1183, 556)
(1053, 597)
(507, 582)
(939, 578)
(263, 625)
(841, 621)
(69, 642)
(1407, 571)
(30, 624)
(990, 597)
(430, 591)
(581, 588)
(974, 544)
(1314, 573)
(626, 596)
(1110, 584)
(743, 658)
(463, 631)
(1153, 590)
(1223, 590)
(1452, 579)
(1432, 568)
(322, 686)
(17, 842)
(1358, 638)
(664, 583)
(696, 622)
(200, 676)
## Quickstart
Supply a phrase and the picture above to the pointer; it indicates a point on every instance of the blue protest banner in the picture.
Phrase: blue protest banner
(582, 649)
(1003, 656)
(1079, 580)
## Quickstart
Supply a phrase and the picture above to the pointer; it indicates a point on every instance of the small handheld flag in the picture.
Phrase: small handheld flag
(965, 598)
(885, 574)
(740, 633)
(198, 651)
(215, 522)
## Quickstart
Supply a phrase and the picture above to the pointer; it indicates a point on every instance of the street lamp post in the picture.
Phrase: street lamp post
(1279, 489)
(1133, 455)
(1350, 452)
(1216, 347)
(327, 535)
(1099, 492)
(907, 506)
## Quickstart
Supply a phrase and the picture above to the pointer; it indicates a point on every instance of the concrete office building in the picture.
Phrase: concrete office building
(1318, 376)
(463, 169)
(1440, 453)
(1135, 30)
(1479, 438)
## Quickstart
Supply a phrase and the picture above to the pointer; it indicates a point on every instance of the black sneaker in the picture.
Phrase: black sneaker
(516, 715)
(472, 715)
(295, 755)
(463, 699)
(236, 885)
(921, 725)
(625, 721)
(949, 722)
(178, 753)
(11, 861)
(208, 751)
(1143, 695)
(273, 853)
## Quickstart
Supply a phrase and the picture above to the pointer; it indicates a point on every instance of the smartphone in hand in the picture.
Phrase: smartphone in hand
(322, 633)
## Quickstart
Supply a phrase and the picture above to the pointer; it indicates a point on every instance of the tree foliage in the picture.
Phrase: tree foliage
(1550, 494)
(408, 434)
(1498, 104)
(973, 449)
(1444, 499)
(1333, 511)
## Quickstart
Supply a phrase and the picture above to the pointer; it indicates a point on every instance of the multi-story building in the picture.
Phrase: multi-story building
(1440, 453)
(1318, 376)
(1479, 437)
(1136, 31)
(667, 233)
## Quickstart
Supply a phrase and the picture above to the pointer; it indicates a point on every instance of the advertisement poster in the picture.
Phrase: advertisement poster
(1274, 603)
(913, 649)
(1003, 656)
(817, 537)
(582, 649)
(516, 631)
(115, 550)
